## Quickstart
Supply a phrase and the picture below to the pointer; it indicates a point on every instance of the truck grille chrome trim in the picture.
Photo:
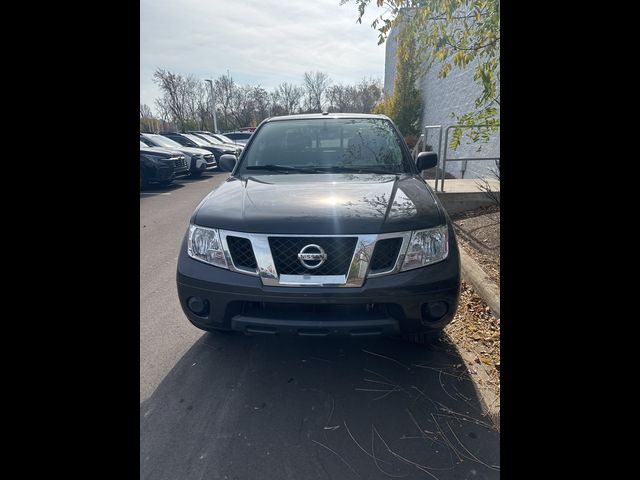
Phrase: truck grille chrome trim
(358, 271)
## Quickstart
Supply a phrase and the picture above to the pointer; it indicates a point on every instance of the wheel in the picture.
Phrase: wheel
(144, 183)
(423, 338)
(196, 174)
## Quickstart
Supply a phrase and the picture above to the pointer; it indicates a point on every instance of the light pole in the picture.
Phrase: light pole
(213, 107)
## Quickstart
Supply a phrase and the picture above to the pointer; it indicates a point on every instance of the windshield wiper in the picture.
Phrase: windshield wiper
(342, 169)
(281, 168)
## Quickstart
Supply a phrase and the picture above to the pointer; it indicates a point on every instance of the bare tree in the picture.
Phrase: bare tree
(261, 104)
(193, 92)
(145, 111)
(316, 83)
(368, 94)
(339, 98)
(242, 106)
(203, 112)
(185, 100)
(224, 88)
(290, 95)
(358, 98)
(174, 103)
(277, 104)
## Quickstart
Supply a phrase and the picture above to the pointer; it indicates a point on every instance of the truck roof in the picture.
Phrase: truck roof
(304, 116)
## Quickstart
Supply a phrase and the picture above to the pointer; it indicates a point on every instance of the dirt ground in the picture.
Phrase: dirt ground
(478, 231)
(475, 330)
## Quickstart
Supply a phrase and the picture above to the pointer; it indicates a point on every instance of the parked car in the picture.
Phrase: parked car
(226, 139)
(325, 227)
(159, 165)
(217, 140)
(198, 159)
(239, 137)
(191, 140)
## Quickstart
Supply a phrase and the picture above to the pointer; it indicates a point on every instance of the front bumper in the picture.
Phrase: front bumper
(211, 165)
(396, 303)
(182, 171)
(162, 174)
(204, 166)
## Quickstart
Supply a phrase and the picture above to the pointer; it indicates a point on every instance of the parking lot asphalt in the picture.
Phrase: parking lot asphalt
(228, 406)
(165, 334)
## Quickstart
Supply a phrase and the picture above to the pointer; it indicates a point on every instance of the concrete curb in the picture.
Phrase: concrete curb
(489, 401)
(490, 293)
(482, 284)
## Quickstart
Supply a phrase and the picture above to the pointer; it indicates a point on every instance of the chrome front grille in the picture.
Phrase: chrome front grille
(242, 253)
(339, 251)
(349, 258)
(180, 163)
(385, 254)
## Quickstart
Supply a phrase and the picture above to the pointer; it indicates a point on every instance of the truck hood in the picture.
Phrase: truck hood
(321, 204)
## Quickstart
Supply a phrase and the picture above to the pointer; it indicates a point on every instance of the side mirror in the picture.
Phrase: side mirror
(426, 160)
(227, 162)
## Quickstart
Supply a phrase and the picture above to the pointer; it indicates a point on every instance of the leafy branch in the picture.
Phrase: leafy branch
(452, 34)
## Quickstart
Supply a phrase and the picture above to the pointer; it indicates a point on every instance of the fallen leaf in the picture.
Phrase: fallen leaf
(486, 360)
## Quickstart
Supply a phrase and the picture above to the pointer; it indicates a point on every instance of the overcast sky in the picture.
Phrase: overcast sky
(259, 41)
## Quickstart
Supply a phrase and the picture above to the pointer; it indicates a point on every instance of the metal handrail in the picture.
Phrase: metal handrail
(417, 148)
(427, 127)
(464, 159)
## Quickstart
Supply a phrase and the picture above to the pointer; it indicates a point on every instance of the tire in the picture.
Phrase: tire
(144, 183)
(423, 338)
(197, 174)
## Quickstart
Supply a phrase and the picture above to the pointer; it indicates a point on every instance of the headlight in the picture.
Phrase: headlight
(200, 162)
(204, 244)
(427, 247)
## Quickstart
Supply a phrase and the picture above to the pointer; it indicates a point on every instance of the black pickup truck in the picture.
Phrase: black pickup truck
(325, 227)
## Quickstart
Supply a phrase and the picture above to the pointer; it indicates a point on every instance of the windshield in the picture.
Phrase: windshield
(224, 139)
(197, 140)
(209, 138)
(324, 145)
(161, 141)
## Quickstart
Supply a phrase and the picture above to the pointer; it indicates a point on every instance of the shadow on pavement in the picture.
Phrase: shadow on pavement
(237, 407)
(204, 176)
(158, 189)
(178, 183)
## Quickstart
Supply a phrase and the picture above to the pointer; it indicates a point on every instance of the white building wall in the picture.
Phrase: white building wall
(441, 97)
